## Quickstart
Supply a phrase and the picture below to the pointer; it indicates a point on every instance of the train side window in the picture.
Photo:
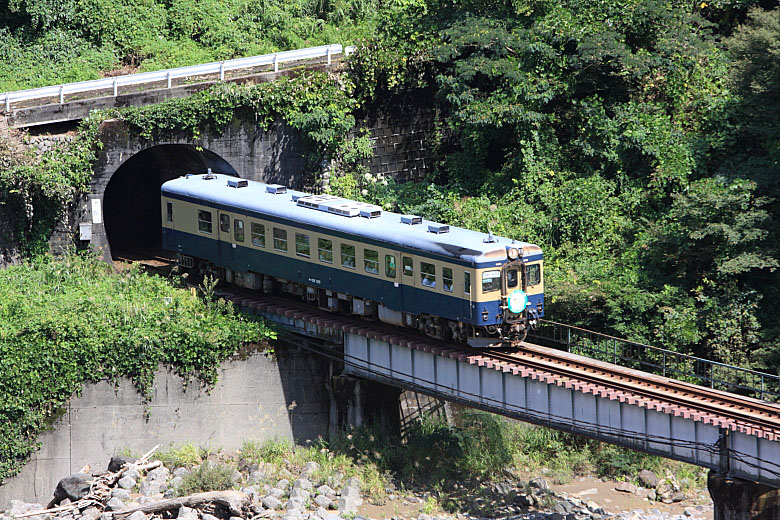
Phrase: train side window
(238, 229)
(169, 212)
(408, 266)
(371, 261)
(446, 278)
(258, 234)
(390, 266)
(491, 281)
(467, 283)
(533, 274)
(428, 275)
(224, 223)
(280, 239)
(511, 278)
(348, 255)
(325, 248)
(302, 245)
(204, 221)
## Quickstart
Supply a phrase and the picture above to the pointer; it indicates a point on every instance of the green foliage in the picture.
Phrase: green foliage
(69, 321)
(186, 455)
(209, 476)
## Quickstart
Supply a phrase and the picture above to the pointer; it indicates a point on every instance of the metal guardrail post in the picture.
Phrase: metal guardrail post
(168, 77)
(222, 71)
(276, 63)
(62, 94)
(328, 53)
(116, 88)
(8, 102)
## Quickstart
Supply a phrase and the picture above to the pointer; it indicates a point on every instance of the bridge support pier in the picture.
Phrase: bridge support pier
(360, 402)
(737, 499)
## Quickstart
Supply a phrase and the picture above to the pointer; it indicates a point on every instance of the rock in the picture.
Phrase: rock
(149, 487)
(256, 477)
(647, 479)
(302, 483)
(292, 515)
(74, 487)
(181, 472)
(310, 468)
(106, 516)
(117, 461)
(325, 490)
(678, 497)
(353, 483)
(690, 511)
(138, 515)
(423, 516)
(504, 488)
(271, 502)
(184, 510)
(251, 492)
(563, 507)
(127, 482)
(120, 493)
(593, 507)
(146, 500)
(299, 493)
(189, 516)
(158, 474)
(276, 492)
(294, 503)
(282, 484)
(236, 518)
(348, 504)
(90, 513)
(132, 473)
(586, 492)
(539, 485)
(625, 487)
(323, 501)
(115, 504)
(207, 516)
(236, 476)
(175, 482)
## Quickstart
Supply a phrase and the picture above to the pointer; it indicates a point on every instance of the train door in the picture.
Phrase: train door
(407, 285)
(468, 304)
(224, 240)
(512, 280)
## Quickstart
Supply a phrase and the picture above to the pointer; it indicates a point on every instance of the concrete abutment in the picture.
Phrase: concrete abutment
(737, 499)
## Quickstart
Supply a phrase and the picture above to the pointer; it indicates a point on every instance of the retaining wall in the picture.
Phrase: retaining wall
(255, 399)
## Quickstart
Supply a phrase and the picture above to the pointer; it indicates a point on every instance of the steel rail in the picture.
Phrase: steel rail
(750, 412)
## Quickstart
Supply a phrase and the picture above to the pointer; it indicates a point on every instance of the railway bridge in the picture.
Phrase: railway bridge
(736, 437)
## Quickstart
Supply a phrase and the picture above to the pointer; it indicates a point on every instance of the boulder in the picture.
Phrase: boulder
(90, 513)
(348, 504)
(181, 472)
(271, 502)
(539, 485)
(323, 501)
(138, 515)
(126, 482)
(302, 483)
(299, 493)
(149, 487)
(625, 487)
(276, 492)
(310, 468)
(115, 504)
(74, 487)
(648, 479)
(160, 474)
(117, 461)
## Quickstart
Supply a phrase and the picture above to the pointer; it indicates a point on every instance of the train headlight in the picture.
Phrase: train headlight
(517, 301)
(513, 253)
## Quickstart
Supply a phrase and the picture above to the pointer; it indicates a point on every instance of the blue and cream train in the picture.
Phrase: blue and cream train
(352, 257)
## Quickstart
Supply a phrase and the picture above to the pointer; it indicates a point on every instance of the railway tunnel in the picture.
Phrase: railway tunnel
(131, 202)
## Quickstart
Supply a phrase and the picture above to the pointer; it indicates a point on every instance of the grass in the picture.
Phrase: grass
(208, 476)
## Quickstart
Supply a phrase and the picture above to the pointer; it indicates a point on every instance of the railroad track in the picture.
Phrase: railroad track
(651, 391)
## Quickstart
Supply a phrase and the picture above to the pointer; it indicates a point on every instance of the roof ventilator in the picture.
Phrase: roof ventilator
(209, 175)
(438, 228)
(412, 220)
(237, 183)
(339, 206)
(490, 239)
(276, 189)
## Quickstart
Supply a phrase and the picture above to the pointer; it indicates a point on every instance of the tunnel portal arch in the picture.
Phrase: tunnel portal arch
(131, 201)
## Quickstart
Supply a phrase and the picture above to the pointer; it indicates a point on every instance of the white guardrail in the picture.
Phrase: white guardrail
(169, 75)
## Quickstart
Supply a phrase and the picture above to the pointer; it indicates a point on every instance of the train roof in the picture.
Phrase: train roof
(329, 213)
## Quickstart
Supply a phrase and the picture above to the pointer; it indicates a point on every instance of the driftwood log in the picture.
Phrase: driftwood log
(233, 501)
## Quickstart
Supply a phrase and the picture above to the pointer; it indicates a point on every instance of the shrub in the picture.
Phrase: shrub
(208, 476)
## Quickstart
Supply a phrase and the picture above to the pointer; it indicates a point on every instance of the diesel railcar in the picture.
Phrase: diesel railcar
(353, 257)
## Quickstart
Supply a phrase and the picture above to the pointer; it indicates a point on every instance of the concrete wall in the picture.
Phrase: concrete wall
(255, 399)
